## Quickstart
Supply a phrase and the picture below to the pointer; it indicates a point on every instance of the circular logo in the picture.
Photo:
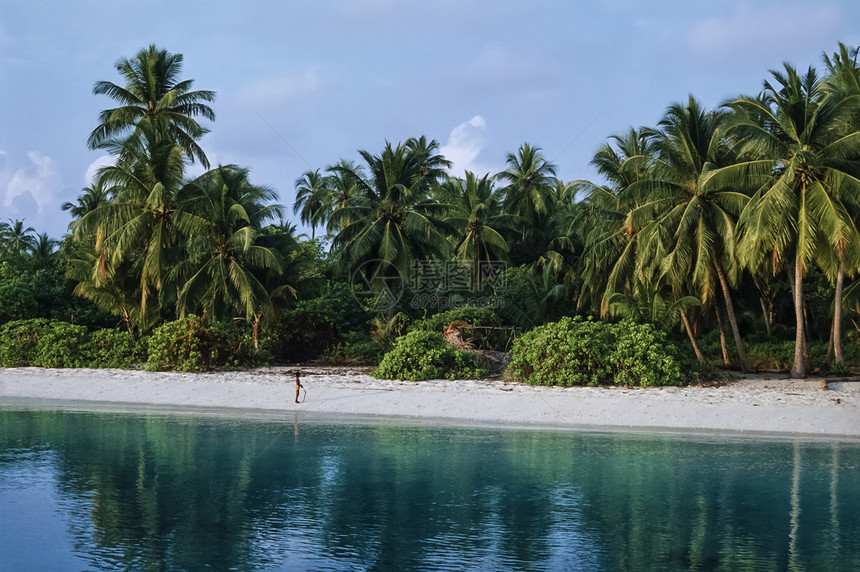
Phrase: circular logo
(377, 285)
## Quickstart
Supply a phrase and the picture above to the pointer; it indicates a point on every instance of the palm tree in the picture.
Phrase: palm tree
(15, 239)
(653, 303)
(431, 164)
(90, 199)
(530, 179)
(799, 161)
(312, 199)
(390, 218)
(140, 224)
(153, 100)
(224, 214)
(687, 224)
(114, 290)
(844, 258)
(476, 214)
(610, 246)
(44, 247)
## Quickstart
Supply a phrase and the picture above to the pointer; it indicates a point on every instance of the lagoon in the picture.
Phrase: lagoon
(138, 490)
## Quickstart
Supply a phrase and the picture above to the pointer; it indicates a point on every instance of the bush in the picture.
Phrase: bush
(357, 348)
(52, 343)
(421, 355)
(61, 344)
(114, 348)
(19, 341)
(574, 351)
(643, 356)
(315, 326)
(188, 344)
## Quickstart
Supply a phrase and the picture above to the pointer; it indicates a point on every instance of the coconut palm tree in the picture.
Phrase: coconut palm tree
(476, 214)
(90, 199)
(687, 224)
(798, 159)
(313, 197)
(224, 214)
(609, 247)
(153, 99)
(114, 290)
(530, 179)
(15, 239)
(390, 219)
(141, 224)
(843, 258)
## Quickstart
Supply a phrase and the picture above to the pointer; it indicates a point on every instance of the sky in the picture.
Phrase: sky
(302, 84)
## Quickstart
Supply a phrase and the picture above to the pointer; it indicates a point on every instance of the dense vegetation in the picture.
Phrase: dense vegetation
(733, 231)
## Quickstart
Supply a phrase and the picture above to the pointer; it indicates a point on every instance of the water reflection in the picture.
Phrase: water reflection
(160, 492)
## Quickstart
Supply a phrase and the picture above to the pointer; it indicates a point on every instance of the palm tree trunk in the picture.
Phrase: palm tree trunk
(689, 331)
(764, 313)
(723, 346)
(828, 359)
(256, 332)
(127, 320)
(837, 314)
(730, 311)
(798, 368)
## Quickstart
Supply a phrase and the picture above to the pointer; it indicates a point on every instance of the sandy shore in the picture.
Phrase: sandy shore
(762, 403)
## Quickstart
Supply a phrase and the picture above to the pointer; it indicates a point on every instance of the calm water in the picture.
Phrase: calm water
(154, 492)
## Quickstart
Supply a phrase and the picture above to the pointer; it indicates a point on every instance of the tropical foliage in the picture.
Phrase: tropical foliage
(731, 231)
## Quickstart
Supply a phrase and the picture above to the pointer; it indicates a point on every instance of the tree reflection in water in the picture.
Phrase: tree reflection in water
(184, 492)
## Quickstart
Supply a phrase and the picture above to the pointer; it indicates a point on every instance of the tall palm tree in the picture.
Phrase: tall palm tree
(343, 180)
(530, 179)
(610, 246)
(224, 214)
(476, 213)
(312, 199)
(44, 247)
(141, 223)
(91, 198)
(152, 99)
(687, 224)
(843, 80)
(795, 155)
(15, 239)
(390, 219)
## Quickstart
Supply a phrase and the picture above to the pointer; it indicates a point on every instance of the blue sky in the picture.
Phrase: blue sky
(481, 77)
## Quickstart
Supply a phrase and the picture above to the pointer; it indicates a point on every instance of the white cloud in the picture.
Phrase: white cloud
(766, 29)
(280, 89)
(39, 180)
(464, 145)
(101, 161)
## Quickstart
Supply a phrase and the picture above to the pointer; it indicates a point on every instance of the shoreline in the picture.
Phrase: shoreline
(764, 403)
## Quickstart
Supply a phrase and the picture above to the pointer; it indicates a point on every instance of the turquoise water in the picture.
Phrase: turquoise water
(96, 491)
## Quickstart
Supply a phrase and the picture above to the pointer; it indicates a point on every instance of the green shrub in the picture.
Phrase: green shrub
(114, 348)
(574, 351)
(19, 341)
(188, 344)
(643, 356)
(421, 355)
(62, 345)
(314, 326)
(52, 343)
(569, 352)
(356, 348)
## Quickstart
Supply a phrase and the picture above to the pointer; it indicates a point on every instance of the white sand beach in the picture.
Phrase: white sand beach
(760, 403)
